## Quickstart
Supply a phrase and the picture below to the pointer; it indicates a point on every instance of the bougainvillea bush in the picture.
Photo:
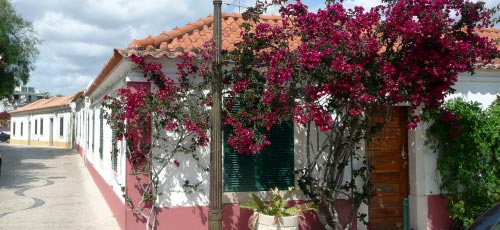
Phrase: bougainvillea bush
(329, 71)
(467, 138)
(162, 123)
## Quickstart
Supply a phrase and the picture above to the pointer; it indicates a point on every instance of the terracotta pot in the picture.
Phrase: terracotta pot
(265, 222)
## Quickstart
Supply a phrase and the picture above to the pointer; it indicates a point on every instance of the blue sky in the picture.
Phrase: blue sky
(79, 36)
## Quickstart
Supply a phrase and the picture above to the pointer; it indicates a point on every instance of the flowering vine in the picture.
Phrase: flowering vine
(329, 71)
(332, 70)
(161, 122)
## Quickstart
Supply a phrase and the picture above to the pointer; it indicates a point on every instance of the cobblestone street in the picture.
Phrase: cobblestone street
(47, 188)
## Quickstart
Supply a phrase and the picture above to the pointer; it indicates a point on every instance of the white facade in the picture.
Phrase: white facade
(43, 128)
(94, 141)
(423, 176)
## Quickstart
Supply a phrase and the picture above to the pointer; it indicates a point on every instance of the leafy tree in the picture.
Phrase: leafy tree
(18, 48)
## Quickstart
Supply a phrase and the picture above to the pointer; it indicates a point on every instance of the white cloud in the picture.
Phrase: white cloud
(83, 49)
(58, 24)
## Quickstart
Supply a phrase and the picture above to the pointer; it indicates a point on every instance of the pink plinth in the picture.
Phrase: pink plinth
(437, 214)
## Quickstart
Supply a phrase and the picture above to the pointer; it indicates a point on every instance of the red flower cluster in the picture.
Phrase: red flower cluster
(136, 110)
(453, 121)
(328, 68)
(350, 62)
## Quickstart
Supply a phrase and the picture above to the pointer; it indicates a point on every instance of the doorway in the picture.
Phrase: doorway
(29, 133)
(51, 131)
(387, 151)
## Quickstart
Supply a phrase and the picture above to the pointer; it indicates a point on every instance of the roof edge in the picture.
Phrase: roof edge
(46, 104)
(108, 68)
(39, 109)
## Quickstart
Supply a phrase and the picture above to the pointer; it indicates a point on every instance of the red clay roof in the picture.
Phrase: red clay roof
(187, 38)
(52, 102)
(190, 38)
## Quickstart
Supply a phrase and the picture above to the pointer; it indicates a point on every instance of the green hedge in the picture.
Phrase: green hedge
(467, 139)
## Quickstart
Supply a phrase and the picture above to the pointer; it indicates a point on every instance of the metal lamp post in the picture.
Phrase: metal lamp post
(215, 198)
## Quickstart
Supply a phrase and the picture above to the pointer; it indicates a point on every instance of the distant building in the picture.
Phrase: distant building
(24, 95)
(46, 122)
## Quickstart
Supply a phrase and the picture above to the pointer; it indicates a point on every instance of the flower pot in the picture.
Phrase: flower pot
(265, 222)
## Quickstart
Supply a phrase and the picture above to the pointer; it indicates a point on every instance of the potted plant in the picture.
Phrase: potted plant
(275, 214)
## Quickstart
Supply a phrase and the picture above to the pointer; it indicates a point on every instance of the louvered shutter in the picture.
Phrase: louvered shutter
(101, 133)
(114, 151)
(272, 167)
(276, 165)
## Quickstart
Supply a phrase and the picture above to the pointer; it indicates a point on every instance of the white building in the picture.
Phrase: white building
(414, 167)
(46, 122)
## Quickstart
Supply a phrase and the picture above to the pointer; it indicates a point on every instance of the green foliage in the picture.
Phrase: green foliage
(469, 157)
(277, 205)
(18, 48)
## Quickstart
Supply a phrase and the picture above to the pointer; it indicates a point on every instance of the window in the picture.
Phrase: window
(36, 127)
(13, 128)
(21, 129)
(41, 126)
(93, 130)
(114, 151)
(101, 133)
(88, 130)
(272, 167)
(61, 126)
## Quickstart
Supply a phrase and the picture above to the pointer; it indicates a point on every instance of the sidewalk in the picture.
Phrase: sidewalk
(47, 188)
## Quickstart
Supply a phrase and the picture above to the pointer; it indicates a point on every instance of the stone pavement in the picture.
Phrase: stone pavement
(47, 188)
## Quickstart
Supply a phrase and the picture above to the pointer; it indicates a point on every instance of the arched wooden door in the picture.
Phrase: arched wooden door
(387, 152)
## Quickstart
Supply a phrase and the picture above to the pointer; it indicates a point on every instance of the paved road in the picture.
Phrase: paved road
(47, 188)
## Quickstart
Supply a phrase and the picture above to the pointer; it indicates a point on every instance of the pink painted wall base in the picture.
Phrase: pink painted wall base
(114, 202)
(437, 214)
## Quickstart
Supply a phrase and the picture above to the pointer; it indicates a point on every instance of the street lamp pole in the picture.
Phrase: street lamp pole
(215, 198)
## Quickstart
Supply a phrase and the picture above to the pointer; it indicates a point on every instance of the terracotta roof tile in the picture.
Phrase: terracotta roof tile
(190, 38)
(172, 44)
(52, 102)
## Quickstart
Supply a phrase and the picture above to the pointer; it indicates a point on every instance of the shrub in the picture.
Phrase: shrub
(467, 139)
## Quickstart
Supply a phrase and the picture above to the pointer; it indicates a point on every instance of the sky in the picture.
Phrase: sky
(78, 37)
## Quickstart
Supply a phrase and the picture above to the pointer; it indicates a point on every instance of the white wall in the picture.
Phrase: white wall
(89, 131)
(30, 120)
(19, 127)
(483, 87)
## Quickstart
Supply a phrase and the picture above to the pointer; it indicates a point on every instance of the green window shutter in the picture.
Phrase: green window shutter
(114, 151)
(101, 133)
(272, 167)
(93, 130)
(277, 160)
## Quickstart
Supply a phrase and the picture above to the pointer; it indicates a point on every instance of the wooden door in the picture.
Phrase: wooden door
(387, 152)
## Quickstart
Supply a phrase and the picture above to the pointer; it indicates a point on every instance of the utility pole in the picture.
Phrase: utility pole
(215, 198)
